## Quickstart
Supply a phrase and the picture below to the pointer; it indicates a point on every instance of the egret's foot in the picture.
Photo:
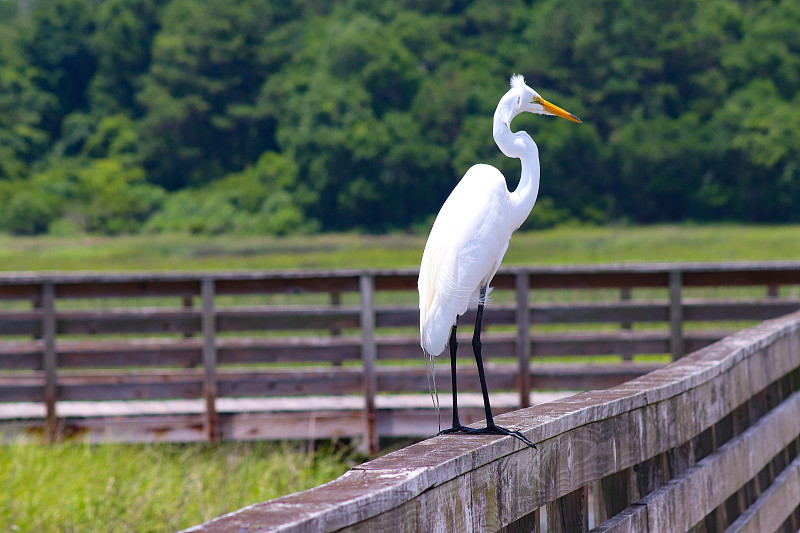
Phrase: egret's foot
(488, 430)
(455, 429)
(494, 429)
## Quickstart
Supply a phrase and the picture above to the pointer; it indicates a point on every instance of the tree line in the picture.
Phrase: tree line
(256, 116)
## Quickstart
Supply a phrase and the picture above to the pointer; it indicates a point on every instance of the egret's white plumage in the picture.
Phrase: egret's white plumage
(464, 250)
(472, 230)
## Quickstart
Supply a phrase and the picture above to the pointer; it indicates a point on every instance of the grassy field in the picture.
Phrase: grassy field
(150, 488)
(562, 245)
(74, 487)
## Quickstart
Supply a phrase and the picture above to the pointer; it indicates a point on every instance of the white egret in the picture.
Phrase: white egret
(470, 236)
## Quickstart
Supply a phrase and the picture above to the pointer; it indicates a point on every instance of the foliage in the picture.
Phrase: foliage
(371, 111)
(153, 487)
(256, 200)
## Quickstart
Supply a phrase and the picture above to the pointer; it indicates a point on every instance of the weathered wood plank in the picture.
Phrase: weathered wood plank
(701, 489)
(27, 323)
(287, 318)
(210, 389)
(774, 505)
(21, 290)
(504, 376)
(49, 359)
(169, 383)
(269, 283)
(129, 321)
(555, 276)
(180, 352)
(250, 418)
(523, 344)
(136, 390)
(160, 320)
(676, 347)
(21, 390)
(368, 356)
(569, 514)
(186, 320)
(630, 520)
(246, 350)
(613, 495)
(625, 311)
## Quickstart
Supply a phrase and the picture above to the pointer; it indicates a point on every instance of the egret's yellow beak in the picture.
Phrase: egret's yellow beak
(557, 111)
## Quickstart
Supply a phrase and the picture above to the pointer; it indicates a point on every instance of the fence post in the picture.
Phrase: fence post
(524, 339)
(612, 494)
(625, 294)
(569, 513)
(773, 291)
(675, 314)
(336, 331)
(368, 354)
(49, 361)
(187, 306)
(209, 325)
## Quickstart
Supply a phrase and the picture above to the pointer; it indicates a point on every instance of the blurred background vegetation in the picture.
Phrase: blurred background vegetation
(299, 116)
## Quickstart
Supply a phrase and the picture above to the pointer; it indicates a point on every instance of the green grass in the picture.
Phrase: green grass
(562, 245)
(74, 487)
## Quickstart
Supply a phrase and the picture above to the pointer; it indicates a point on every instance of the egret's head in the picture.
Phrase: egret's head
(523, 98)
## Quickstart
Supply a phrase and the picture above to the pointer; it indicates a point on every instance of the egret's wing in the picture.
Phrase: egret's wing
(466, 244)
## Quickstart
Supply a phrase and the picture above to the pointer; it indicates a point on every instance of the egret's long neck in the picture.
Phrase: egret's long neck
(524, 196)
(518, 145)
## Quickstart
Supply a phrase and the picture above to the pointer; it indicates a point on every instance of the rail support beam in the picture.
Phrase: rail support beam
(49, 362)
(209, 325)
(368, 355)
(675, 314)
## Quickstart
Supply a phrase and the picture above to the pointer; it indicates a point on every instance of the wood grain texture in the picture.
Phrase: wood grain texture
(687, 499)
(774, 505)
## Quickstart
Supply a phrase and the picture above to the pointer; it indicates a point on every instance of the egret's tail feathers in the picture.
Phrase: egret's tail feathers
(435, 331)
(430, 371)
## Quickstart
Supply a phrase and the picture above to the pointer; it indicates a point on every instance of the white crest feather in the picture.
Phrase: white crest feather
(517, 81)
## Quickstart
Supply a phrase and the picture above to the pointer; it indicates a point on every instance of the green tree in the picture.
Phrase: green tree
(376, 109)
(347, 117)
(122, 43)
(208, 64)
(22, 102)
(59, 46)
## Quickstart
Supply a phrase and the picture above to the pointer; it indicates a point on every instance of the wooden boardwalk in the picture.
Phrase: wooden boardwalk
(708, 443)
(307, 418)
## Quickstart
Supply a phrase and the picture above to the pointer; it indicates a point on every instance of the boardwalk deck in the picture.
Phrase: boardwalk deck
(309, 417)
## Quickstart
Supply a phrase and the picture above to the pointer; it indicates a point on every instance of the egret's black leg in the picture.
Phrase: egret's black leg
(453, 348)
(491, 427)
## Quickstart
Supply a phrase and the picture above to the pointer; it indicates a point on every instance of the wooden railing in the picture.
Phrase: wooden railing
(182, 356)
(707, 443)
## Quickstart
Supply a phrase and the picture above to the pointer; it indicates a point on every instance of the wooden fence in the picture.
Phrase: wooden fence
(707, 443)
(182, 356)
